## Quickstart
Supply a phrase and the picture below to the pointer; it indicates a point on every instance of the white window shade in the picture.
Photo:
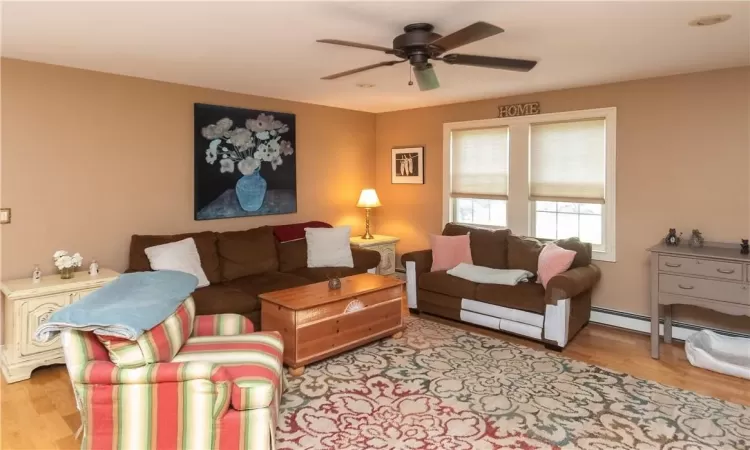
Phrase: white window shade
(479, 163)
(568, 161)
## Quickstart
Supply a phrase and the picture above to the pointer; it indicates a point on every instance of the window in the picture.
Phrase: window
(479, 179)
(551, 176)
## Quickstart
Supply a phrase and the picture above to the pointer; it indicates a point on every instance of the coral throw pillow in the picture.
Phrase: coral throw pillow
(449, 251)
(553, 260)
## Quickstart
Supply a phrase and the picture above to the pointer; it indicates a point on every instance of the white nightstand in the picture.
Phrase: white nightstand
(385, 245)
(28, 305)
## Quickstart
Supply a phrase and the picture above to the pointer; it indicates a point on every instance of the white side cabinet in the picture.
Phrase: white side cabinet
(385, 245)
(26, 305)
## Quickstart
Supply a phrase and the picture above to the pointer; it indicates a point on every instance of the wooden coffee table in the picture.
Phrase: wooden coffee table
(316, 322)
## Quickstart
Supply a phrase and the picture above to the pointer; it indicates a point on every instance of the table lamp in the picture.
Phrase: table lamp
(368, 199)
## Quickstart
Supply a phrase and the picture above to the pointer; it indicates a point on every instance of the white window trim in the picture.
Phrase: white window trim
(519, 207)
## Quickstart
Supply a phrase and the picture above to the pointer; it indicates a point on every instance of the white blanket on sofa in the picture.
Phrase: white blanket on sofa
(481, 274)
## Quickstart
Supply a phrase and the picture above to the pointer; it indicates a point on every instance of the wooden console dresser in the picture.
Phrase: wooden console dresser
(715, 276)
(317, 322)
(28, 305)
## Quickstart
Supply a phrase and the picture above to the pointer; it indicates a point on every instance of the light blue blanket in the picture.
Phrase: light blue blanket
(125, 307)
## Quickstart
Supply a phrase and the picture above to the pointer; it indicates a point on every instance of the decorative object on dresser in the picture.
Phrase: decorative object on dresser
(696, 238)
(29, 304)
(407, 165)
(385, 245)
(245, 162)
(745, 247)
(713, 276)
(67, 264)
(316, 322)
(36, 275)
(368, 199)
(672, 238)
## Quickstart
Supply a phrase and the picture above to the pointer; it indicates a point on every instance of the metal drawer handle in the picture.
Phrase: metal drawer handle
(672, 265)
(685, 287)
(725, 271)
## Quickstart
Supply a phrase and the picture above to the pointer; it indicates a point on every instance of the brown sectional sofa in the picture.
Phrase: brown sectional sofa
(552, 316)
(240, 265)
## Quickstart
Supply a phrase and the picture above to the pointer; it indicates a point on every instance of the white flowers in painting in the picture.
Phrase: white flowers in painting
(245, 148)
(65, 261)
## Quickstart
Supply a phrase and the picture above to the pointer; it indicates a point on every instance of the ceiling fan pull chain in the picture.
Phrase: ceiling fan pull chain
(411, 83)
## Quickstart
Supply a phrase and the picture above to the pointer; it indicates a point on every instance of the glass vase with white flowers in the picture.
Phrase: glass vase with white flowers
(246, 149)
(66, 263)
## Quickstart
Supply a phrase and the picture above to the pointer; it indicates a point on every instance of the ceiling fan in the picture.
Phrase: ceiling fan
(419, 44)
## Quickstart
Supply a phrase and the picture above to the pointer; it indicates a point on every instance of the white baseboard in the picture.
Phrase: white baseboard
(642, 324)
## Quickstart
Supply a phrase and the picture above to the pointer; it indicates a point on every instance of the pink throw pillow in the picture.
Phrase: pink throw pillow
(553, 260)
(449, 251)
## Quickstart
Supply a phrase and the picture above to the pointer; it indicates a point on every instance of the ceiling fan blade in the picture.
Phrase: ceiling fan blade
(426, 78)
(490, 62)
(472, 33)
(357, 45)
(361, 69)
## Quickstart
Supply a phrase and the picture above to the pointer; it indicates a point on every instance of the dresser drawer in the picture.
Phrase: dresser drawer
(700, 288)
(702, 267)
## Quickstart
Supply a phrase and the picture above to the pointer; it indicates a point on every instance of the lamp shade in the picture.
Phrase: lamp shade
(368, 199)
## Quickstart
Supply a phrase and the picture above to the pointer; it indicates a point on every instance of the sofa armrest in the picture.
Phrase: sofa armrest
(227, 324)
(422, 260)
(365, 259)
(106, 372)
(571, 283)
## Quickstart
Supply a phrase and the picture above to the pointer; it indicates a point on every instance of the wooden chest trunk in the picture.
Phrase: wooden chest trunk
(316, 322)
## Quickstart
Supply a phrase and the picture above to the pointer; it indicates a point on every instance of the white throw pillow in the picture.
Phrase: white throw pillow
(329, 247)
(181, 256)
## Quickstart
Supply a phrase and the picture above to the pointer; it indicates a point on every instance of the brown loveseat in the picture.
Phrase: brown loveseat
(240, 265)
(553, 315)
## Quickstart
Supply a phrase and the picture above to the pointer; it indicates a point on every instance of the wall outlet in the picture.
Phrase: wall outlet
(4, 215)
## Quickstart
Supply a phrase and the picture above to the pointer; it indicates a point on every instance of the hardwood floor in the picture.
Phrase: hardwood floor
(40, 413)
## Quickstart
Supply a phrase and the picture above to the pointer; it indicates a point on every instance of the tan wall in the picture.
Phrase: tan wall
(682, 161)
(91, 158)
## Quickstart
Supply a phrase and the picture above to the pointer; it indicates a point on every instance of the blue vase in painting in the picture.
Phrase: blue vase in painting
(251, 191)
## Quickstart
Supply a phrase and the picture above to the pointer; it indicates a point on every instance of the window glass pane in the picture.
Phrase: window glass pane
(546, 225)
(590, 208)
(591, 229)
(567, 225)
(546, 206)
(463, 210)
(480, 211)
(565, 207)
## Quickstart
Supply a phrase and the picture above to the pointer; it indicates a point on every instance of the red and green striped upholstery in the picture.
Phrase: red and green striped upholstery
(158, 344)
(218, 392)
(222, 325)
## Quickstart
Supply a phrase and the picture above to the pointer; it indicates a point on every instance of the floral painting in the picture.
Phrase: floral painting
(245, 162)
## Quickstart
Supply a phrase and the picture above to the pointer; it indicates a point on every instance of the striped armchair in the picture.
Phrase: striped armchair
(220, 390)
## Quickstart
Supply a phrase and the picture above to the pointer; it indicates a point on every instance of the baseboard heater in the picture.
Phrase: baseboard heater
(641, 323)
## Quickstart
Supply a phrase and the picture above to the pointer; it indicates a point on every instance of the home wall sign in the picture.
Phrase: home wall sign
(520, 109)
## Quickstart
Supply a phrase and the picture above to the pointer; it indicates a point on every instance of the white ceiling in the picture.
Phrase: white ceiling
(269, 48)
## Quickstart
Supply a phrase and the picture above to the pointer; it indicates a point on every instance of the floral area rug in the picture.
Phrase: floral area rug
(440, 387)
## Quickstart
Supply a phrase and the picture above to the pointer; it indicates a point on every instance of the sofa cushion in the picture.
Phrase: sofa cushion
(489, 248)
(296, 231)
(523, 296)
(220, 299)
(316, 274)
(443, 283)
(248, 252)
(205, 242)
(267, 282)
(582, 249)
(253, 364)
(523, 253)
(292, 255)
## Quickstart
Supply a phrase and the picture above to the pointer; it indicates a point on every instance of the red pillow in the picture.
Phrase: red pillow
(296, 231)
(449, 251)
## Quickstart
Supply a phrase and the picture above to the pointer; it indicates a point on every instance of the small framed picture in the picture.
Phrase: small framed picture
(407, 165)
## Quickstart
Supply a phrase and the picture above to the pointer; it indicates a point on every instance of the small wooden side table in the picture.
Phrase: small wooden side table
(28, 305)
(385, 245)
